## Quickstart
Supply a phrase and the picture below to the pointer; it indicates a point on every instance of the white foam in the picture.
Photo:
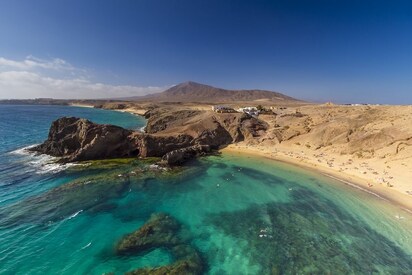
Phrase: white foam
(86, 246)
(23, 151)
(75, 214)
(46, 164)
(356, 186)
(41, 163)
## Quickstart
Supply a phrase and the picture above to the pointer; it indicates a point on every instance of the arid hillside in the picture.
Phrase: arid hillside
(196, 92)
(372, 143)
(361, 131)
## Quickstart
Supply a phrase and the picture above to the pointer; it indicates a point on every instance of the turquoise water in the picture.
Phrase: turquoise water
(22, 175)
(243, 215)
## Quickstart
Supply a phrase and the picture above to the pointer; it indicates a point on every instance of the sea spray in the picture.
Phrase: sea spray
(40, 163)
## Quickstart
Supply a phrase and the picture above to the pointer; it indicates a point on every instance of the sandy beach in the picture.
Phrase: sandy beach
(134, 111)
(347, 143)
(81, 105)
(350, 173)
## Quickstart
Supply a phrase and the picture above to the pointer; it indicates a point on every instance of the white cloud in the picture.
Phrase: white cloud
(31, 78)
(32, 62)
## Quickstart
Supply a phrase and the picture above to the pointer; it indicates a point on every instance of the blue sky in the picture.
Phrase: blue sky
(342, 51)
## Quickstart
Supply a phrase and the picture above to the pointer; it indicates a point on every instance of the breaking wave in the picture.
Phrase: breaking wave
(40, 163)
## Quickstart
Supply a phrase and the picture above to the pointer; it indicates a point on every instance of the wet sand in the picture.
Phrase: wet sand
(329, 165)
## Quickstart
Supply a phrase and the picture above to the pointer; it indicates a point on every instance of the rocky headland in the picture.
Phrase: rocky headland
(76, 139)
(369, 145)
(173, 135)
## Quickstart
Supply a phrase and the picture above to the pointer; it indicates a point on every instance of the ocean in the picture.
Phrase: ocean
(242, 214)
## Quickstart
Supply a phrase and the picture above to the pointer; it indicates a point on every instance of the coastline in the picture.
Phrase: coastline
(133, 111)
(81, 105)
(109, 219)
(389, 194)
(372, 176)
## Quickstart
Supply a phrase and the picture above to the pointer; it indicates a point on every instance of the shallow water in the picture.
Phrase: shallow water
(244, 215)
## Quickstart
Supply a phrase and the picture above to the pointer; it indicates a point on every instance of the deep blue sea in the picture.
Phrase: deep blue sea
(241, 214)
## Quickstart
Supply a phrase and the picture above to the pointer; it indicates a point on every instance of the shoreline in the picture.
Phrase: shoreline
(137, 112)
(386, 194)
(133, 111)
(81, 105)
(390, 184)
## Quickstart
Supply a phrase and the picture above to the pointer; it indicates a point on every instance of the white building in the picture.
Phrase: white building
(253, 111)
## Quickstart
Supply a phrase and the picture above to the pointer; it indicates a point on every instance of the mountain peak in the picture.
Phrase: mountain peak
(191, 91)
(191, 84)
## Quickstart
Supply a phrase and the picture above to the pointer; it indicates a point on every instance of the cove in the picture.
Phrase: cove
(243, 215)
(238, 214)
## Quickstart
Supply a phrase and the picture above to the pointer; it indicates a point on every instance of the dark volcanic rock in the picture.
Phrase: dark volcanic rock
(254, 127)
(215, 136)
(180, 156)
(204, 127)
(77, 139)
(159, 231)
(175, 135)
(162, 231)
(159, 145)
(188, 266)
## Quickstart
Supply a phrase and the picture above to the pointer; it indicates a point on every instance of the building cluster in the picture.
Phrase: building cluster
(253, 111)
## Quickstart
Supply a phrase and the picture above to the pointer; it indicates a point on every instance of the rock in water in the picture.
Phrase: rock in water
(76, 139)
(177, 136)
(189, 266)
(180, 156)
(159, 231)
(162, 231)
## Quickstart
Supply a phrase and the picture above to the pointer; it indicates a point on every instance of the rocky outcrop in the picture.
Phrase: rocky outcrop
(206, 127)
(180, 156)
(175, 135)
(188, 266)
(159, 231)
(159, 145)
(76, 139)
(162, 231)
(159, 120)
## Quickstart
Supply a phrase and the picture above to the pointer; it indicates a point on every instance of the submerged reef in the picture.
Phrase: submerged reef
(97, 184)
(159, 231)
(311, 235)
(162, 231)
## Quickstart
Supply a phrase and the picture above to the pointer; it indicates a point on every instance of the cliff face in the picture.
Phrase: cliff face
(206, 127)
(76, 139)
(158, 146)
(173, 135)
